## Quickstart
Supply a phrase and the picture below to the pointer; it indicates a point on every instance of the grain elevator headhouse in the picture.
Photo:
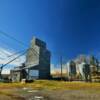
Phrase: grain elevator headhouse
(38, 60)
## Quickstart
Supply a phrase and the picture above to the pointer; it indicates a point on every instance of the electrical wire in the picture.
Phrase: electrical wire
(32, 49)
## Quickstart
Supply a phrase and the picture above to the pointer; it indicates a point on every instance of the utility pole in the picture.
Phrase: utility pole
(1, 71)
(61, 67)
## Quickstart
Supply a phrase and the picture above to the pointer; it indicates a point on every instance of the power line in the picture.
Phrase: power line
(37, 54)
(5, 45)
(20, 42)
(13, 59)
(11, 37)
(45, 59)
(16, 53)
(9, 55)
(10, 62)
(4, 53)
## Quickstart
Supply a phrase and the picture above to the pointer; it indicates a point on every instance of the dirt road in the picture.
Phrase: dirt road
(50, 95)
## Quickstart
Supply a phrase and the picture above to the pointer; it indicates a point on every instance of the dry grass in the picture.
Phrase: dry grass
(10, 95)
(9, 89)
(66, 85)
(44, 84)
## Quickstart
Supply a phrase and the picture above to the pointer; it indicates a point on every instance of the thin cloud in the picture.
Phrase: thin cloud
(4, 57)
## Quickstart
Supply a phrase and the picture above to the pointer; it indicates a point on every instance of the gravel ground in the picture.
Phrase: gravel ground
(64, 95)
(29, 94)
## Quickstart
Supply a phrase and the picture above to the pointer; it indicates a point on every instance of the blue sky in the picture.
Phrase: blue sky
(69, 27)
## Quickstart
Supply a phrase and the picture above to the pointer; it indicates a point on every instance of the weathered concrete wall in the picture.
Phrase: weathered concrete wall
(15, 76)
(39, 56)
(32, 57)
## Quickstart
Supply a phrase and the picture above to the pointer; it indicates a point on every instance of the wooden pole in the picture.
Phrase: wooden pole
(61, 68)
